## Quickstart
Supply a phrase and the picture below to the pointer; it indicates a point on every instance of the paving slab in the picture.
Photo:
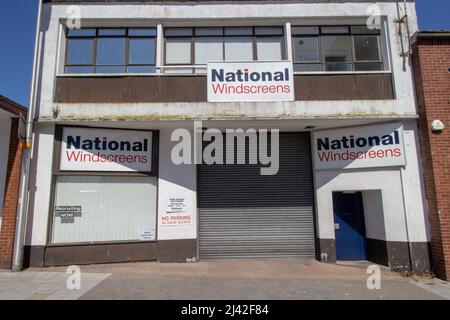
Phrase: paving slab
(44, 285)
(251, 280)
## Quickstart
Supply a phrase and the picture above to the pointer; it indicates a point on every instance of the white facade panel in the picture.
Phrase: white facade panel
(208, 14)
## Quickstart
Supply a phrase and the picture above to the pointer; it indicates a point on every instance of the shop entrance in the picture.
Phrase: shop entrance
(349, 226)
(243, 214)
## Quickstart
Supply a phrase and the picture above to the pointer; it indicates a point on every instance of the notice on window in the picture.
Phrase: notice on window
(147, 235)
(68, 213)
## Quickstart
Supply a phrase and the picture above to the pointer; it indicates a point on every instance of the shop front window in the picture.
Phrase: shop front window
(104, 208)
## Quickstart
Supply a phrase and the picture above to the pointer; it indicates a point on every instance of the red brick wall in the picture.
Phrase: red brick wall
(10, 200)
(431, 62)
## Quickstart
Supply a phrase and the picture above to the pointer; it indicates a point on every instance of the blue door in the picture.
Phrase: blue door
(349, 226)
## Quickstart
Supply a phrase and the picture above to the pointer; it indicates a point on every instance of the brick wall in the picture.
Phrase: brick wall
(10, 200)
(431, 62)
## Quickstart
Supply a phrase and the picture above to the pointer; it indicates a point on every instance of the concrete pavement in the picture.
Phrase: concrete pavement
(230, 280)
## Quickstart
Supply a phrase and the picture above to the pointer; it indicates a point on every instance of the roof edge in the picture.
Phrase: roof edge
(434, 34)
(12, 106)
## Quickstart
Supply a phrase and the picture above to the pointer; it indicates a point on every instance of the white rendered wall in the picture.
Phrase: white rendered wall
(5, 131)
(175, 181)
(40, 184)
(401, 197)
(208, 13)
(373, 214)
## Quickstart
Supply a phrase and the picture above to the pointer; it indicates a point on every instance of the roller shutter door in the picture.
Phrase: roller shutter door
(243, 214)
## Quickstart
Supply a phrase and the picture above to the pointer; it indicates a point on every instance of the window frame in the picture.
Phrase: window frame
(351, 36)
(254, 36)
(95, 39)
(57, 172)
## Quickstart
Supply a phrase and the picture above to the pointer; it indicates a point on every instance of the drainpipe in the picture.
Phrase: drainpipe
(22, 206)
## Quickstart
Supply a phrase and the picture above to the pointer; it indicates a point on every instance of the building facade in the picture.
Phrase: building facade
(432, 74)
(10, 166)
(129, 103)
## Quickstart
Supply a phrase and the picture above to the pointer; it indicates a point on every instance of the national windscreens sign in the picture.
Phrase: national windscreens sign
(359, 147)
(250, 81)
(86, 149)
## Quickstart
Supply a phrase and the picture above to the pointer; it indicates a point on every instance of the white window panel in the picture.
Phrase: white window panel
(269, 49)
(113, 208)
(208, 49)
(239, 49)
(178, 51)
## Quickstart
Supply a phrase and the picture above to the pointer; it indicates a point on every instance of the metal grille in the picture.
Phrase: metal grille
(243, 214)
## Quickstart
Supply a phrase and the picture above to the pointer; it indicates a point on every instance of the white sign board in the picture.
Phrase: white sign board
(86, 149)
(177, 220)
(250, 81)
(359, 147)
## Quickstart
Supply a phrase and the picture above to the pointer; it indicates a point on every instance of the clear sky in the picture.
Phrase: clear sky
(18, 22)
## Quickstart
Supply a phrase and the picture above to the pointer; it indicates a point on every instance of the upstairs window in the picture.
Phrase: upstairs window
(111, 50)
(341, 48)
(198, 46)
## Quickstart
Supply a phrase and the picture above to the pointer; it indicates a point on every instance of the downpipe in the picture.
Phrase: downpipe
(26, 146)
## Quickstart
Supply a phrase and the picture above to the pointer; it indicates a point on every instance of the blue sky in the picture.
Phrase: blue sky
(18, 21)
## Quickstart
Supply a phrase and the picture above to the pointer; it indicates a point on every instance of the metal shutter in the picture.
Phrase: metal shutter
(243, 214)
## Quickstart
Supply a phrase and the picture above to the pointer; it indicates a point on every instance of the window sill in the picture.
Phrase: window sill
(99, 243)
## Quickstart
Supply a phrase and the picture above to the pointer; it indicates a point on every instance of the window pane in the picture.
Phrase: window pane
(110, 69)
(81, 32)
(334, 29)
(142, 51)
(178, 51)
(276, 31)
(364, 30)
(338, 67)
(368, 66)
(177, 32)
(306, 49)
(141, 69)
(208, 49)
(239, 49)
(112, 208)
(366, 48)
(336, 49)
(78, 70)
(111, 51)
(269, 48)
(208, 31)
(142, 32)
(112, 32)
(238, 31)
(305, 30)
(80, 51)
(307, 67)
(179, 71)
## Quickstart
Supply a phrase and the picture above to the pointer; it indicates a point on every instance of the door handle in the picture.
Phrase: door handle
(336, 226)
